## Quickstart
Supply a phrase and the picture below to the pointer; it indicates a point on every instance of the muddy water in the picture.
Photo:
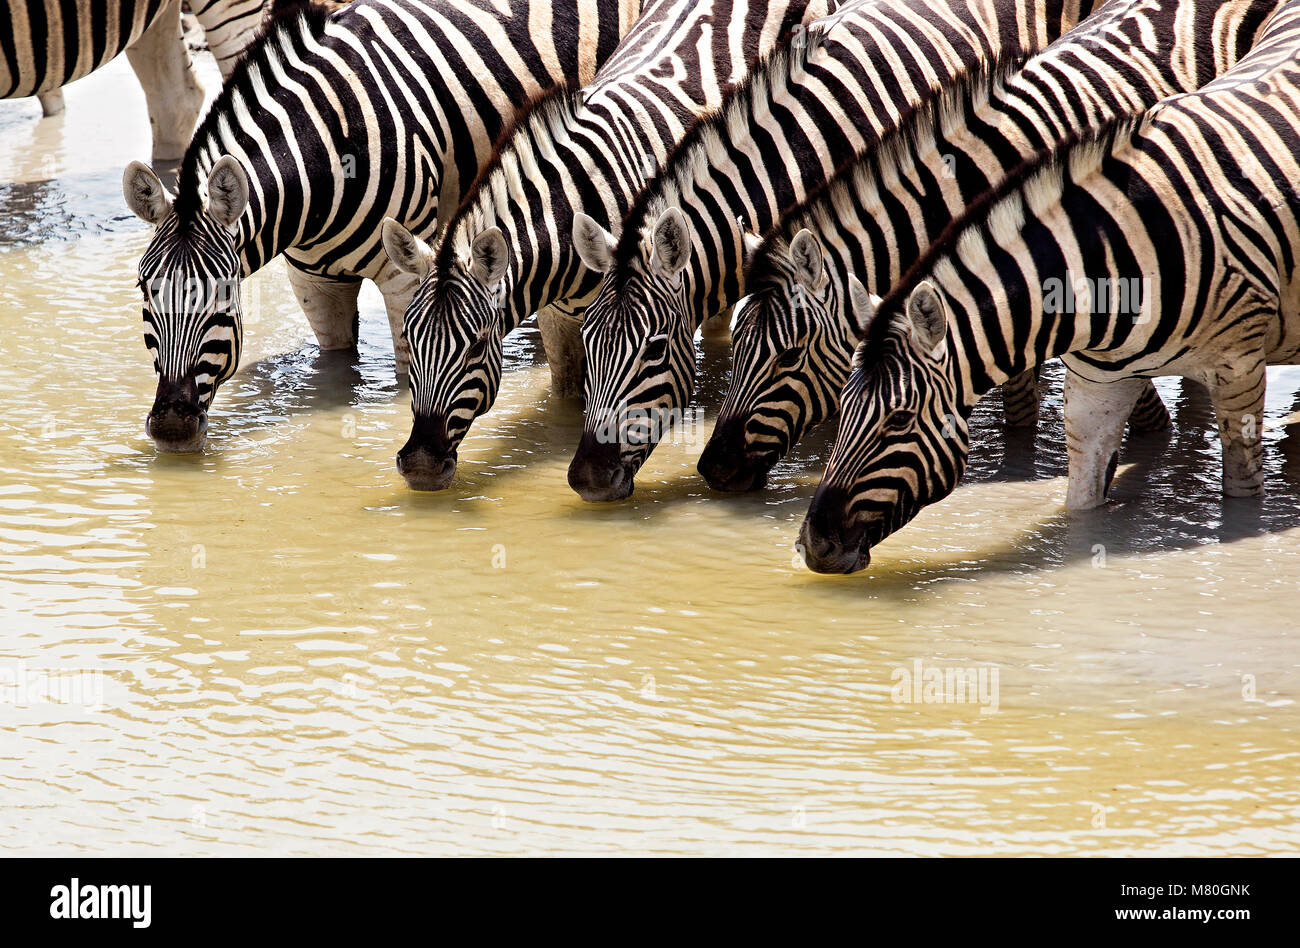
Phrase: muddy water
(275, 647)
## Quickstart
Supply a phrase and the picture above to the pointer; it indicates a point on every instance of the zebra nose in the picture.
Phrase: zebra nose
(177, 422)
(597, 473)
(828, 542)
(427, 461)
(726, 465)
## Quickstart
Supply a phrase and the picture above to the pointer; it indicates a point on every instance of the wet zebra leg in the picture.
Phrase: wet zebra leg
(1237, 393)
(1095, 414)
(172, 90)
(1149, 414)
(562, 339)
(1020, 400)
(330, 305)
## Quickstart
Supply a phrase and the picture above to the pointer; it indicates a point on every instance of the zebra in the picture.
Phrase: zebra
(794, 335)
(679, 256)
(329, 124)
(1162, 244)
(576, 157)
(229, 26)
(45, 44)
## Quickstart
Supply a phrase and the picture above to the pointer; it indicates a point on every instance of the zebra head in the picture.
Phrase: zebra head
(638, 347)
(903, 438)
(791, 351)
(455, 329)
(189, 276)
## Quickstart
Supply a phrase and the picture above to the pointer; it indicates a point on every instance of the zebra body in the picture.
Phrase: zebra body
(857, 73)
(795, 334)
(229, 26)
(328, 125)
(577, 155)
(45, 44)
(1178, 233)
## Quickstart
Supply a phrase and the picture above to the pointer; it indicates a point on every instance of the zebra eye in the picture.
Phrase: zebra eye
(655, 350)
(790, 357)
(899, 421)
(475, 352)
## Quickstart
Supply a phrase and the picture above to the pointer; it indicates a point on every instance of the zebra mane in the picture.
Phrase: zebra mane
(1028, 191)
(689, 161)
(286, 24)
(879, 166)
(545, 119)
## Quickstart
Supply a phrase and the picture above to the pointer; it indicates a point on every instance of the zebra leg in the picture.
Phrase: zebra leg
(1020, 399)
(51, 102)
(1238, 397)
(1095, 415)
(717, 327)
(330, 305)
(1149, 414)
(562, 339)
(172, 91)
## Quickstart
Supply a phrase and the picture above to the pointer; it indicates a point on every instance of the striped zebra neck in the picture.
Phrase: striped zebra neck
(857, 214)
(996, 336)
(536, 151)
(240, 124)
(722, 139)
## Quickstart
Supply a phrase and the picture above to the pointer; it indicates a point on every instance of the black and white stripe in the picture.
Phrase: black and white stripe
(577, 156)
(330, 124)
(1197, 199)
(679, 258)
(794, 336)
(45, 44)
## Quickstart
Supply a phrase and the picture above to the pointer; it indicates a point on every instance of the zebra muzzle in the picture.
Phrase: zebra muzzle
(829, 542)
(427, 461)
(177, 422)
(597, 472)
(728, 466)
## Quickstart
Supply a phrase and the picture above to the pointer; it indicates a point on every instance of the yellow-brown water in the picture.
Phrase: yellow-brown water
(298, 655)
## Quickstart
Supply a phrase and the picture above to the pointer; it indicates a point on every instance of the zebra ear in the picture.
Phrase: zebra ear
(672, 243)
(144, 193)
(227, 191)
(926, 312)
(595, 245)
(863, 306)
(806, 254)
(409, 253)
(751, 243)
(489, 256)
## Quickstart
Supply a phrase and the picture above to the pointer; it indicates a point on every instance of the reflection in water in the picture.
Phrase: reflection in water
(298, 655)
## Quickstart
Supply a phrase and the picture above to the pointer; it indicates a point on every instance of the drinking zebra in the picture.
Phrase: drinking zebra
(329, 124)
(795, 335)
(1194, 205)
(45, 44)
(679, 257)
(577, 155)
